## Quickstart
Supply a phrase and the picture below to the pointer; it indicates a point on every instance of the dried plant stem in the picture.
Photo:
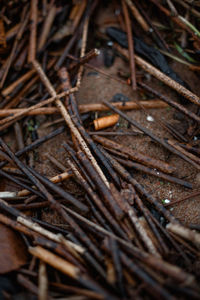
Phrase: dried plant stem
(189, 8)
(56, 179)
(194, 194)
(42, 282)
(33, 31)
(55, 261)
(130, 44)
(36, 143)
(47, 26)
(167, 80)
(186, 233)
(83, 48)
(13, 85)
(187, 153)
(83, 108)
(137, 15)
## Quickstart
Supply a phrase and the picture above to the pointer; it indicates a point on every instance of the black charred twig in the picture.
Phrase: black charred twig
(72, 154)
(159, 174)
(96, 200)
(115, 133)
(101, 187)
(26, 283)
(117, 263)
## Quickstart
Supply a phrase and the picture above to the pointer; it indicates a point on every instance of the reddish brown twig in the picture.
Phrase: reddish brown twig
(83, 108)
(130, 44)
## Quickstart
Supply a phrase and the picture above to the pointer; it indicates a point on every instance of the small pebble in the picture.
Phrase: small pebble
(166, 201)
(150, 118)
(110, 43)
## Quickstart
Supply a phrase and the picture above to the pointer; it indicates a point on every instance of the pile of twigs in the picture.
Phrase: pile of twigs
(118, 241)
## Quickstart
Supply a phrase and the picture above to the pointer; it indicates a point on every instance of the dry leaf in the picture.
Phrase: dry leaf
(13, 252)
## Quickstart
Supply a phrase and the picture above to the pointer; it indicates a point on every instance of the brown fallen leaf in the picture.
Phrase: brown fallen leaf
(13, 251)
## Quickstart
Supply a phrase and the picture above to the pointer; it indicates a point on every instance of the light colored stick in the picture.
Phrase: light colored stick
(137, 15)
(58, 178)
(55, 261)
(42, 282)
(13, 85)
(58, 238)
(142, 233)
(186, 233)
(83, 48)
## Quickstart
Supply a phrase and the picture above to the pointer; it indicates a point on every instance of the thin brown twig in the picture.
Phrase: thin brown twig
(83, 108)
(33, 31)
(137, 15)
(24, 21)
(130, 44)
